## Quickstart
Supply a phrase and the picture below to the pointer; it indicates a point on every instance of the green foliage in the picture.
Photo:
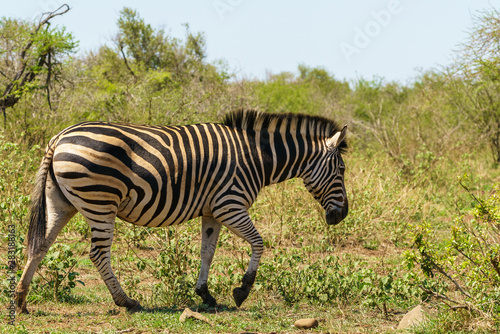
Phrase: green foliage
(314, 92)
(136, 235)
(31, 59)
(468, 259)
(139, 40)
(17, 165)
(475, 81)
(58, 278)
(329, 280)
(144, 48)
(174, 269)
(327, 84)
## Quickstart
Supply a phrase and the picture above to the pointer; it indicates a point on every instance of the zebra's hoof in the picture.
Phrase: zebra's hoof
(239, 296)
(134, 307)
(21, 301)
(210, 301)
(22, 310)
(206, 296)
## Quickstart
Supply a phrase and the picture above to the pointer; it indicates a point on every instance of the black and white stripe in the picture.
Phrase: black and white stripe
(160, 176)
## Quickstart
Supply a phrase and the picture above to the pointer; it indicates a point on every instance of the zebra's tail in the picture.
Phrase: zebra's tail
(38, 218)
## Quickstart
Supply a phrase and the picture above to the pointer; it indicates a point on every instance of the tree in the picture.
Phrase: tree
(475, 78)
(326, 82)
(138, 40)
(143, 47)
(30, 56)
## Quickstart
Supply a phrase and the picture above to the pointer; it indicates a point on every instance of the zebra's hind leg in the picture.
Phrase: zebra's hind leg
(102, 228)
(58, 212)
(210, 229)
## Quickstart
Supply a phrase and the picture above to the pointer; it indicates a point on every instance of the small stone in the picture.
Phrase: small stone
(306, 323)
(193, 315)
(415, 316)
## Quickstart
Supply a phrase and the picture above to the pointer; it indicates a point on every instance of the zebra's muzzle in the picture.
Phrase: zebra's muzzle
(336, 215)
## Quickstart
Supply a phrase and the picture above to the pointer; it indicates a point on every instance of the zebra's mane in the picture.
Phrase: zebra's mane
(318, 127)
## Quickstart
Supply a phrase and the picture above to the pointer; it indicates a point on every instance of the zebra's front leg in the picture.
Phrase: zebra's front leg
(239, 222)
(210, 230)
(102, 238)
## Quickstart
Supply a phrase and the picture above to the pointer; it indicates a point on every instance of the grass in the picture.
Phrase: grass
(92, 309)
(351, 277)
(254, 319)
(258, 318)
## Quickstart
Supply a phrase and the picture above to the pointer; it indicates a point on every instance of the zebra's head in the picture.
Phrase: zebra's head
(326, 181)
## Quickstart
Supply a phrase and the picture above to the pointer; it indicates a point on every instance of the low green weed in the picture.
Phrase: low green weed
(334, 281)
(57, 277)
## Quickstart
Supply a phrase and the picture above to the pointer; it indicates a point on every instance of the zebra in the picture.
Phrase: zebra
(160, 176)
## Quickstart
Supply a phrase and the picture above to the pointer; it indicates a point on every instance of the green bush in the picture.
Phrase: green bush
(466, 261)
(334, 281)
(56, 279)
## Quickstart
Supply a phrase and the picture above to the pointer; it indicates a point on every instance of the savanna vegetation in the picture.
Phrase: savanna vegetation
(422, 179)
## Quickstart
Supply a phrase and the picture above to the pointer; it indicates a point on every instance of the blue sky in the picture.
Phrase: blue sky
(393, 39)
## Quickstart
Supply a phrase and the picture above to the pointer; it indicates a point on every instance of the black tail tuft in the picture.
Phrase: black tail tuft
(38, 219)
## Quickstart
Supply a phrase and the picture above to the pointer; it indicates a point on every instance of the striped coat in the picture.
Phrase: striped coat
(159, 176)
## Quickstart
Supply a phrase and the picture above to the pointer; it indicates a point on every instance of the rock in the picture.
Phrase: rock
(415, 316)
(193, 315)
(306, 323)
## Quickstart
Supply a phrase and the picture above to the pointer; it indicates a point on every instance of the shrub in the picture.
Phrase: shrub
(57, 278)
(467, 262)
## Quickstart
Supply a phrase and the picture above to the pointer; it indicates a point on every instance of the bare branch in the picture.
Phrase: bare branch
(444, 273)
(444, 297)
(25, 75)
(471, 260)
(441, 270)
(120, 47)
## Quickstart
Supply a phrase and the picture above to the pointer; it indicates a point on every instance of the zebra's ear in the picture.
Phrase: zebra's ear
(337, 138)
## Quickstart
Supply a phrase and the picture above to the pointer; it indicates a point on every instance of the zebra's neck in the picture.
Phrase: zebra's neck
(285, 154)
(285, 144)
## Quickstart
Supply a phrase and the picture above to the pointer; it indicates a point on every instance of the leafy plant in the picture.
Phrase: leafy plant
(174, 269)
(31, 55)
(468, 260)
(330, 281)
(57, 277)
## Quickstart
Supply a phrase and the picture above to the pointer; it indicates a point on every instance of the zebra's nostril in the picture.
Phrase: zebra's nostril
(336, 215)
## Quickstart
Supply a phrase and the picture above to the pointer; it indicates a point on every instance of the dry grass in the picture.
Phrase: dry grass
(262, 312)
(383, 206)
